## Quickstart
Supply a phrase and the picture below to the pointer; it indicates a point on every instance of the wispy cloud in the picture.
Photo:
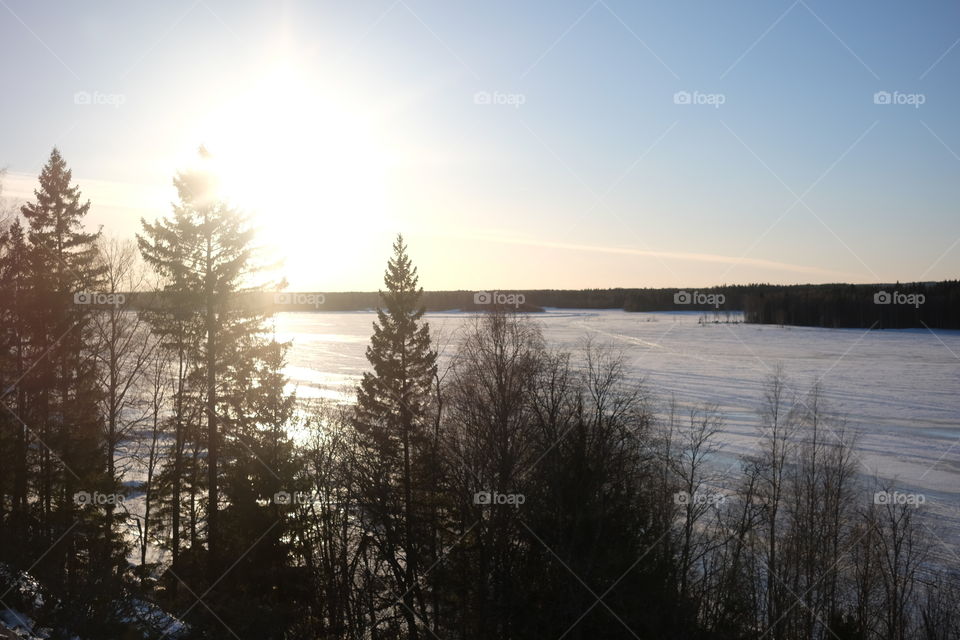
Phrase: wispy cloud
(684, 256)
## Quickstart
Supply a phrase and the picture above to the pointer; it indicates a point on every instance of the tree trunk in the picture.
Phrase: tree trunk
(213, 541)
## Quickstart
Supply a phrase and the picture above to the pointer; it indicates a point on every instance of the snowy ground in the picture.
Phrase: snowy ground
(899, 389)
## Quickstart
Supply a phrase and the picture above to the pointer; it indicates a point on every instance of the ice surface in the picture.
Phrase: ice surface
(900, 390)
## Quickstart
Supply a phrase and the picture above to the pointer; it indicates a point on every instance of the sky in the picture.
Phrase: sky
(516, 145)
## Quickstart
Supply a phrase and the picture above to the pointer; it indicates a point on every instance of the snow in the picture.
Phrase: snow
(148, 618)
(898, 389)
(18, 622)
(152, 619)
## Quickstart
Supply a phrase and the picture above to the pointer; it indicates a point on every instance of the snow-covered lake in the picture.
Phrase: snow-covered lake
(899, 389)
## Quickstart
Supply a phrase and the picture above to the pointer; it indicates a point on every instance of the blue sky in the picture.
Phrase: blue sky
(517, 145)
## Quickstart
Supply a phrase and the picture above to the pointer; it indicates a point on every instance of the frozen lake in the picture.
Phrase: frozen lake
(899, 389)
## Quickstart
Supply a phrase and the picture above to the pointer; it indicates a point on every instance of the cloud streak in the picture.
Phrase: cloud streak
(684, 256)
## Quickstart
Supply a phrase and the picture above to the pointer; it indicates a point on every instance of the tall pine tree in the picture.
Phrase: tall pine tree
(59, 388)
(231, 372)
(14, 283)
(203, 251)
(392, 424)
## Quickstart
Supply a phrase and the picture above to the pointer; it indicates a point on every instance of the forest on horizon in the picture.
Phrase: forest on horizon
(832, 306)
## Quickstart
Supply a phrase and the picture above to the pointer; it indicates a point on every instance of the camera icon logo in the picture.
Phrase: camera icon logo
(282, 497)
(882, 97)
(482, 297)
(482, 497)
(681, 498)
(682, 297)
(882, 297)
(81, 498)
(682, 97)
(82, 297)
(482, 97)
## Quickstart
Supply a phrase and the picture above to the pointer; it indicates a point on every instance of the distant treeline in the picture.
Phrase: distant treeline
(530, 300)
(898, 306)
(887, 306)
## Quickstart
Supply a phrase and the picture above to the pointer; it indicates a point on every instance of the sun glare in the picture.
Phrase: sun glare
(306, 165)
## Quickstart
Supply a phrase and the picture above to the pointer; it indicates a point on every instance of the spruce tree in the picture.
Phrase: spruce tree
(14, 275)
(202, 251)
(62, 257)
(263, 596)
(231, 382)
(391, 420)
(60, 397)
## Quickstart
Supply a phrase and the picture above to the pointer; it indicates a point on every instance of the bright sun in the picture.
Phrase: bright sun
(305, 165)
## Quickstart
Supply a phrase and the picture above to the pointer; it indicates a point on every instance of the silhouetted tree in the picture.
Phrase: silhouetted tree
(230, 379)
(392, 423)
(60, 395)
